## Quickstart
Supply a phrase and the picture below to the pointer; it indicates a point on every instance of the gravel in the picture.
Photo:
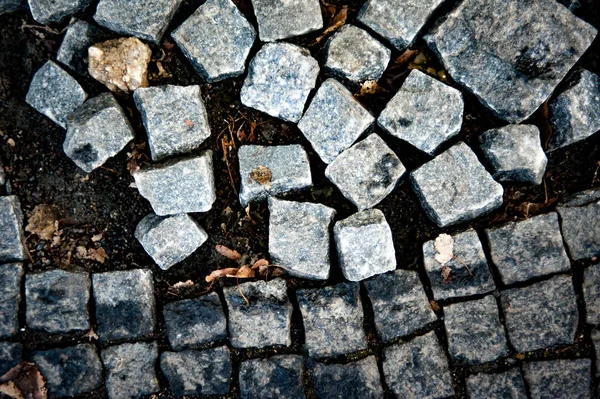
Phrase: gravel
(276, 377)
(508, 384)
(591, 293)
(356, 380)
(11, 276)
(281, 20)
(73, 50)
(56, 11)
(582, 243)
(11, 230)
(130, 370)
(562, 378)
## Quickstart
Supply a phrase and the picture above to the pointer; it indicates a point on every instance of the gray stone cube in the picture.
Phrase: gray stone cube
(365, 245)
(174, 117)
(425, 112)
(179, 186)
(216, 39)
(284, 19)
(582, 239)
(561, 378)
(55, 93)
(595, 335)
(11, 276)
(10, 355)
(73, 50)
(280, 78)
(288, 170)
(266, 321)
(333, 320)
(455, 188)
(131, 370)
(276, 377)
(12, 238)
(334, 120)
(509, 53)
(7, 6)
(55, 11)
(366, 172)
(355, 380)
(125, 305)
(527, 249)
(57, 301)
(299, 237)
(541, 315)
(508, 384)
(515, 153)
(96, 131)
(591, 293)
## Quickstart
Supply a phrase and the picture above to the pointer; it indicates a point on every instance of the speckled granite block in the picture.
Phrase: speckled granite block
(11, 276)
(284, 19)
(11, 230)
(10, 355)
(591, 293)
(73, 51)
(582, 239)
(276, 377)
(562, 378)
(130, 370)
(55, 11)
(508, 384)
(355, 380)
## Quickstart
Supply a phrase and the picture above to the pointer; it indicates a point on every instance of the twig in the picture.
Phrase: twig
(464, 264)
(240, 290)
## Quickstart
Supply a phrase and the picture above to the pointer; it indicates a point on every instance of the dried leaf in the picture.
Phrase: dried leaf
(221, 273)
(23, 381)
(260, 263)
(99, 255)
(337, 22)
(42, 220)
(91, 335)
(97, 237)
(262, 175)
(243, 272)
(444, 246)
(183, 284)
(228, 253)
(446, 274)
(434, 305)
(369, 87)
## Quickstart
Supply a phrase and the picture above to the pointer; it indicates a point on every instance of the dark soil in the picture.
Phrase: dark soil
(104, 203)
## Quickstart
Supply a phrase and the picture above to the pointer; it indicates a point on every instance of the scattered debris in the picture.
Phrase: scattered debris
(91, 335)
(262, 175)
(260, 268)
(24, 381)
(99, 254)
(337, 21)
(444, 248)
(369, 87)
(43, 221)
(228, 253)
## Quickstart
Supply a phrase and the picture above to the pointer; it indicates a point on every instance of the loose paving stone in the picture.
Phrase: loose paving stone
(179, 186)
(541, 315)
(582, 239)
(478, 46)
(280, 78)
(515, 153)
(334, 120)
(418, 369)
(266, 321)
(284, 19)
(7, 6)
(275, 377)
(574, 114)
(528, 249)
(271, 171)
(353, 380)
(299, 237)
(365, 245)
(55, 93)
(351, 53)
(125, 305)
(11, 276)
(11, 230)
(10, 355)
(562, 378)
(174, 117)
(70, 371)
(460, 281)
(73, 51)
(130, 370)
(192, 322)
(454, 187)
(425, 112)
(197, 372)
(169, 239)
(55, 11)
(591, 293)
(333, 320)
(147, 20)
(216, 39)
(400, 305)
(57, 301)
(96, 131)
(508, 384)
(475, 334)
(366, 172)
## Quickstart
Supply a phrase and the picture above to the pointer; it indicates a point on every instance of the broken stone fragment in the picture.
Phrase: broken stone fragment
(73, 51)
(120, 64)
(284, 19)
(55, 11)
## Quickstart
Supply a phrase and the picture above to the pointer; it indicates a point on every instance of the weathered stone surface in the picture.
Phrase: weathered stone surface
(591, 293)
(283, 19)
(299, 237)
(400, 305)
(351, 53)
(266, 321)
(7, 6)
(11, 276)
(582, 239)
(357, 380)
(595, 335)
(197, 321)
(460, 282)
(73, 51)
(169, 239)
(515, 153)
(418, 369)
(334, 120)
(475, 334)
(366, 172)
(55, 11)
(454, 187)
(10, 355)
(562, 378)
(70, 371)
(57, 301)
(529, 248)
(216, 39)
(275, 377)
(125, 306)
(364, 245)
(508, 384)
(510, 54)
(55, 93)
(541, 315)
(287, 169)
(96, 131)
(197, 372)
(425, 112)
(11, 230)
(146, 19)
(280, 77)
(333, 320)
(130, 370)
(574, 114)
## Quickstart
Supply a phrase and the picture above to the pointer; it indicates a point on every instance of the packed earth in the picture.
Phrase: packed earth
(299, 199)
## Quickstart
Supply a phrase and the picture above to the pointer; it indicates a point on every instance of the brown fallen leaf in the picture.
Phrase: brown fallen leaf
(24, 381)
(369, 87)
(446, 274)
(42, 221)
(220, 273)
(99, 255)
(243, 272)
(231, 254)
(337, 22)
(434, 305)
(97, 237)
(262, 175)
